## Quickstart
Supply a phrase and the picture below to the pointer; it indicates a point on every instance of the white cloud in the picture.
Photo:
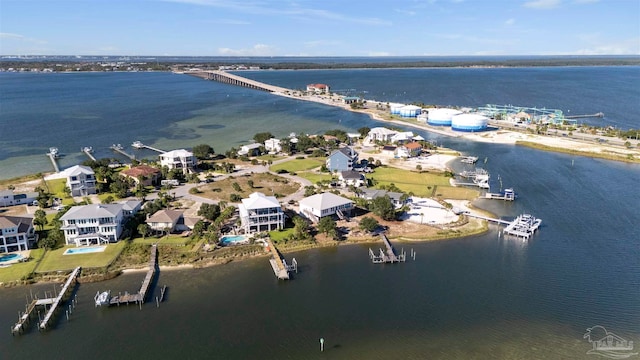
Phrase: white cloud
(510, 22)
(585, 1)
(256, 50)
(10, 36)
(623, 47)
(318, 43)
(542, 4)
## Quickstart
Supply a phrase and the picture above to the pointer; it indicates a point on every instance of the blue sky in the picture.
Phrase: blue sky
(319, 27)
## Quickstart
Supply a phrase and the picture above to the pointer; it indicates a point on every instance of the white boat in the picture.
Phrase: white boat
(87, 149)
(137, 144)
(102, 298)
(53, 151)
(469, 159)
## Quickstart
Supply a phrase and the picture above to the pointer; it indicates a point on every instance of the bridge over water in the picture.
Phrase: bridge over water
(232, 79)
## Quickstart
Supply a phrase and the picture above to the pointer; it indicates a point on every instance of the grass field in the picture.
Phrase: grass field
(21, 270)
(314, 177)
(164, 240)
(455, 193)
(420, 184)
(265, 183)
(55, 260)
(56, 187)
(280, 235)
(296, 165)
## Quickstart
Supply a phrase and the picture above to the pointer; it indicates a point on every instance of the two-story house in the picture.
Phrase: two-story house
(10, 198)
(81, 180)
(342, 159)
(261, 213)
(95, 223)
(326, 204)
(16, 233)
(178, 159)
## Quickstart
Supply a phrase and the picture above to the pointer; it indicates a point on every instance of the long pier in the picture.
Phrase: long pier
(596, 115)
(52, 157)
(139, 145)
(389, 255)
(87, 151)
(278, 263)
(227, 78)
(140, 297)
(53, 302)
(118, 148)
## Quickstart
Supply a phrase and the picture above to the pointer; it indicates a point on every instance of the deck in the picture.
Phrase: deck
(141, 295)
(279, 265)
(388, 255)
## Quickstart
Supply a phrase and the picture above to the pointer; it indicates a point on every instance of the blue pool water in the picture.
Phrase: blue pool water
(10, 257)
(233, 239)
(84, 250)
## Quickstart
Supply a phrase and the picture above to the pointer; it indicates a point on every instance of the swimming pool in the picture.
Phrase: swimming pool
(234, 240)
(10, 257)
(86, 250)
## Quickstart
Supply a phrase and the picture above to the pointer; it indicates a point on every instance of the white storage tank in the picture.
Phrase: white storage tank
(410, 111)
(395, 108)
(441, 116)
(469, 122)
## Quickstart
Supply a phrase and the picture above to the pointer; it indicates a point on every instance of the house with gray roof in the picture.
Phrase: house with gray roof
(11, 198)
(81, 180)
(396, 197)
(325, 204)
(352, 177)
(261, 213)
(95, 223)
(16, 233)
(342, 159)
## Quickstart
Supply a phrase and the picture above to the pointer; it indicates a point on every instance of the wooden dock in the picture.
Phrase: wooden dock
(140, 145)
(87, 151)
(278, 263)
(119, 149)
(388, 255)
(507, 194)
(523, 226)
(53, 302)
(141, 295)
(54, 162)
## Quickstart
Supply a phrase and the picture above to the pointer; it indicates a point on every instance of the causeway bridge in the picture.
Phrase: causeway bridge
(232, 79)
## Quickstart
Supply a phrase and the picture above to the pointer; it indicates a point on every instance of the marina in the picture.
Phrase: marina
(105, 298)
(140, 145)
(52, 302)
(479, 177)
(387, 255)
(523, 226)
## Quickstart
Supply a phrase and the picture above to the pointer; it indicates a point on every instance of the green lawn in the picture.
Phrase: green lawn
(409, 181)
(279, 235)
(56, 187)
(269, 157)
(56, 261)
(21, 270)
(313, 176)
(456, 193)
(165, 240)
(296, 165)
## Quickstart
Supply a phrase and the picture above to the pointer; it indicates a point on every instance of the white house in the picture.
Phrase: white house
(397, 199)
(95, 223)
(318, 88)
(10, 198)
(273, 145)
(261, 213)
(178, 159)
(81, 180)
(250, 150)
(325, 204)
(402, 137)
(380, 134)
(16, 233)
(352, 177)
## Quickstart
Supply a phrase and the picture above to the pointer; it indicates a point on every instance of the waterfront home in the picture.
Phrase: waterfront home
(397, 198)
(408, 150)
(272, 145)
(81, 180)
(261, 213)
(143, 174)
(402, 137)
(16, 233)
(342, 159)
(178, 159)
(350, 99)
(96, 223)
(11, 198)
(388, 150)
(250, 150)
(318, 88)
(326, 204)
(381, 134)
(167, 220)
(352, 177)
